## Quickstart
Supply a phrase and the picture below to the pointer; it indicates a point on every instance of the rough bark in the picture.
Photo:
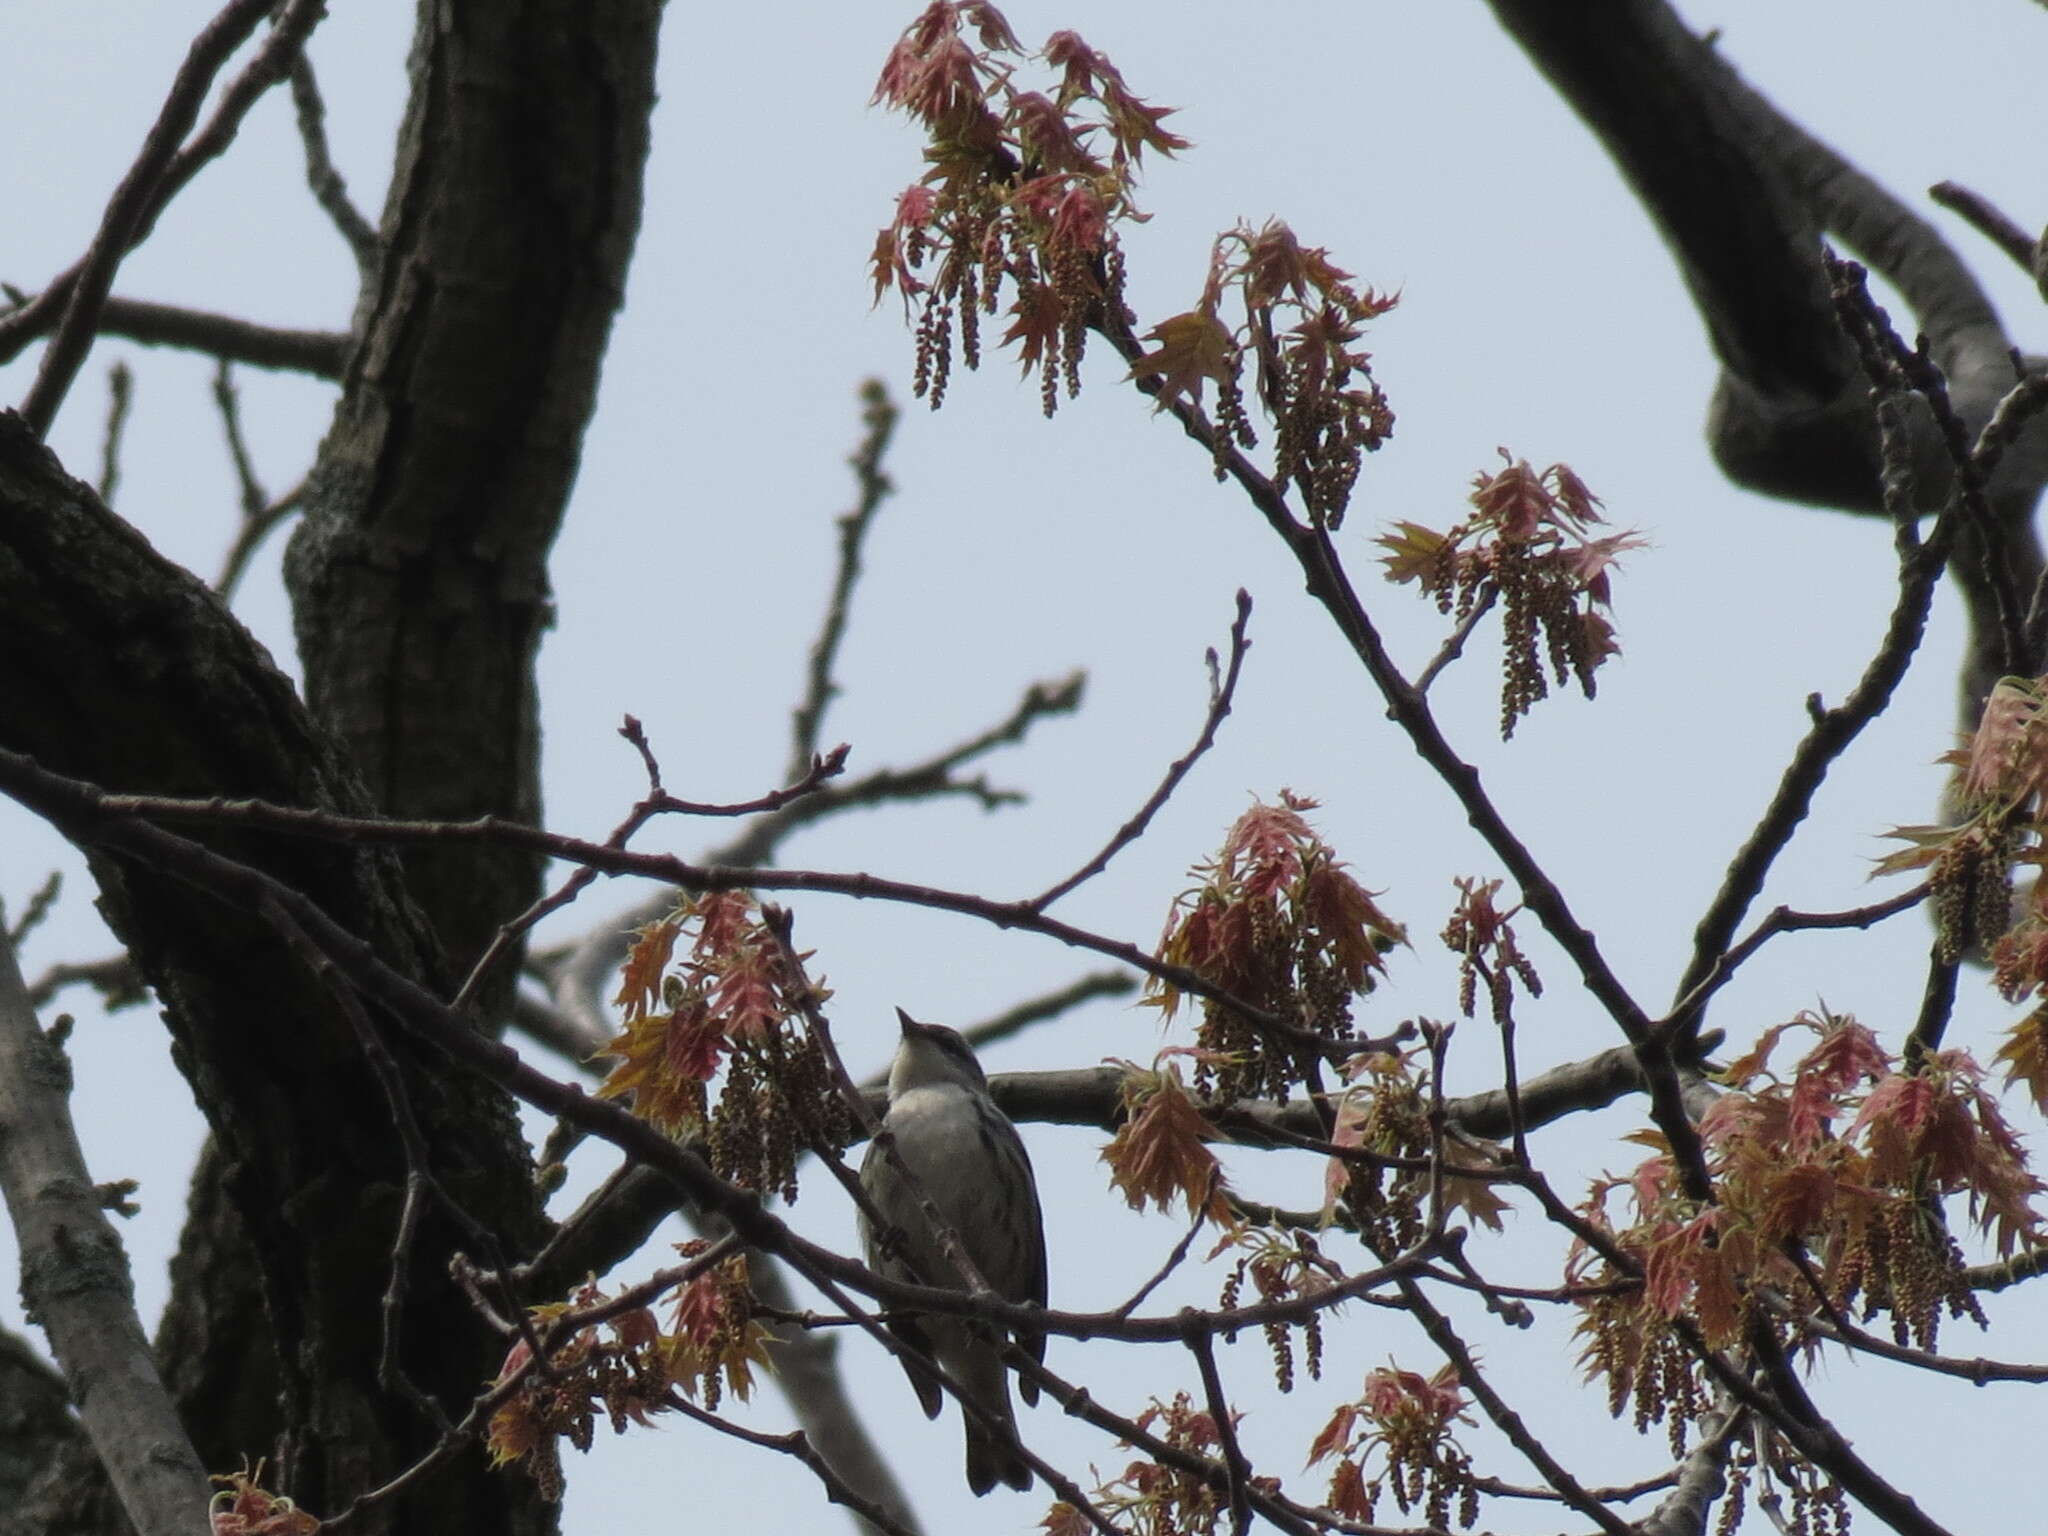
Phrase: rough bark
(420, 589)
(125, 669)
(50, 1484)
(418, 575)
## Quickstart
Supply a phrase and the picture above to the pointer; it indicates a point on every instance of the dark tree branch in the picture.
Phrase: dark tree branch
(1785, 920)
(1920, 566)
(318, 353)
(120, 397)
(328, 189)
(1505, 1419)
(1743, 195)
(97, 626)
(1984, 216)
(159, 171)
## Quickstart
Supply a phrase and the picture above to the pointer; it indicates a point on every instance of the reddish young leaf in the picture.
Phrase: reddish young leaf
(1193, 349)
(1161, 1149)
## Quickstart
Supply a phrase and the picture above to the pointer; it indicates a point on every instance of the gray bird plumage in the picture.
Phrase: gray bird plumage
(972, 1164)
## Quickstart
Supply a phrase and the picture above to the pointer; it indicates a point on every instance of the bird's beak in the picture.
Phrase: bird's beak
(906, 1023)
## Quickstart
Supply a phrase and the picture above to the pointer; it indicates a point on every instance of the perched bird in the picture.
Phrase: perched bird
(971, 1163)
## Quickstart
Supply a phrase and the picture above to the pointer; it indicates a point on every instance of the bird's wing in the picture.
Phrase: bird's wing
(1034, 1277)
(879, 1178)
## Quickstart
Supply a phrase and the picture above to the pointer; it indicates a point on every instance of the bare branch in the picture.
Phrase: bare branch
(797, 1445)
(878, 414)
(1237, 1470)
(120, 397)
(250, 534)
(329, 190)
(318, 353)
(1454, 644)
(1920, 566)
(1982, 215)
(658, 802)
(1219, 707)
(75, 1280)
(1785, 920)
(159, 171)
(40, 904)
(1504, 1418)
(229, 403)
(931, 779)
(1977, 1372)
(1700, 1479)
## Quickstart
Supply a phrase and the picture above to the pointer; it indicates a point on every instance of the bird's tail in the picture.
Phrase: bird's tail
(994, 1456)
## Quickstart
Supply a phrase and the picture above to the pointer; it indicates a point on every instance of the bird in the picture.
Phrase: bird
(972, 1164)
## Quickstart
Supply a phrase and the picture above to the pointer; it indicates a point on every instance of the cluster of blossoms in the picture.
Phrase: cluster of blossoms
(2001, 791)
(1156, 1499)
(1314, 380)
(1828, 1188)
(1528, 545)
(1024, 192)
(1024, 195)
(623, 1363)
(1279, 923)
(723, 1004)
(1409, 1420)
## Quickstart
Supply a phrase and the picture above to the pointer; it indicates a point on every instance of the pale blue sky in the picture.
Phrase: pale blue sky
(1538, 312)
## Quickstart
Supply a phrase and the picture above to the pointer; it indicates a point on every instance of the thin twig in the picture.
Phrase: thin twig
(1786, 920)
(878, 415)
(1454, 645)
(540, 1349)
(1982, 215)
(1978, 1372)
(66, 800)
(1219, 707)
(1180, 1249)
(795, 1444)
(329, 190)
(249, 537)
(159, 171)
(658, 802)
(1283, 1512)
(40, 904)
(1237, 1468)
(254, 499)
(120, 397)
(1049, 1005)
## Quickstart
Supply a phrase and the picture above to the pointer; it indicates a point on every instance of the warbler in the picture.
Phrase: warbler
(972, 1165)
